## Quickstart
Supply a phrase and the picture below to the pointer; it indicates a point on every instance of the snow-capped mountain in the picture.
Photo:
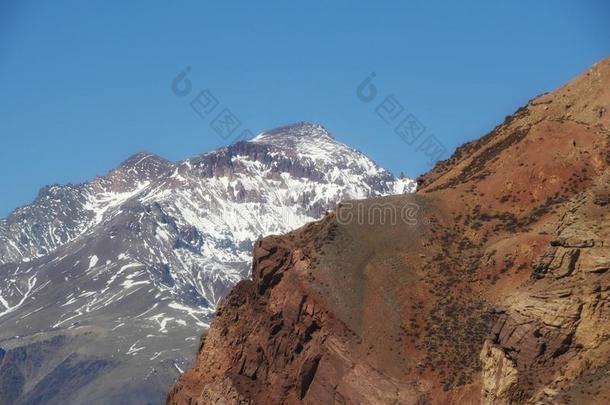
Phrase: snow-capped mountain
(114, 279)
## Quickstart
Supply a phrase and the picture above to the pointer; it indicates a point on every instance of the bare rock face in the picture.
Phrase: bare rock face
(274, 331)
(498, 375)
(494, 291)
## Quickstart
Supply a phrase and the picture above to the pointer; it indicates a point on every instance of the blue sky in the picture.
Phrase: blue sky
(86, 84)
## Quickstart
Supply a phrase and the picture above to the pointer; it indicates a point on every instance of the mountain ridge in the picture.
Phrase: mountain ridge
(160, 165)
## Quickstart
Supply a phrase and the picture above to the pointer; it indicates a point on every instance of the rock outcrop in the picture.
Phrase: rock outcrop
(490, 285)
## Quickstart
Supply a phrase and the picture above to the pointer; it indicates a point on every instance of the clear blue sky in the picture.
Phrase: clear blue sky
(86, 84)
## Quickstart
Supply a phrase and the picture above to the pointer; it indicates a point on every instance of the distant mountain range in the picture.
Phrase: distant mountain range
(106, 286)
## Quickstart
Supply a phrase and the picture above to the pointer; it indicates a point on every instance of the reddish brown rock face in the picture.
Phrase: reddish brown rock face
(495, 291)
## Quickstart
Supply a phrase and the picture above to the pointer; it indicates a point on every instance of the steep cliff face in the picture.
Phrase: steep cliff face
(490, 285)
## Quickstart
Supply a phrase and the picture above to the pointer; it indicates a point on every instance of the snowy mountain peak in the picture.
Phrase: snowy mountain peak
(312, 148)
(145, 162)
(297, 130)
(141, 157)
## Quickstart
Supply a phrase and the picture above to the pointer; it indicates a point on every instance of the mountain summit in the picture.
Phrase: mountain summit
(296, 130)
(495, 290)
(106, 286)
